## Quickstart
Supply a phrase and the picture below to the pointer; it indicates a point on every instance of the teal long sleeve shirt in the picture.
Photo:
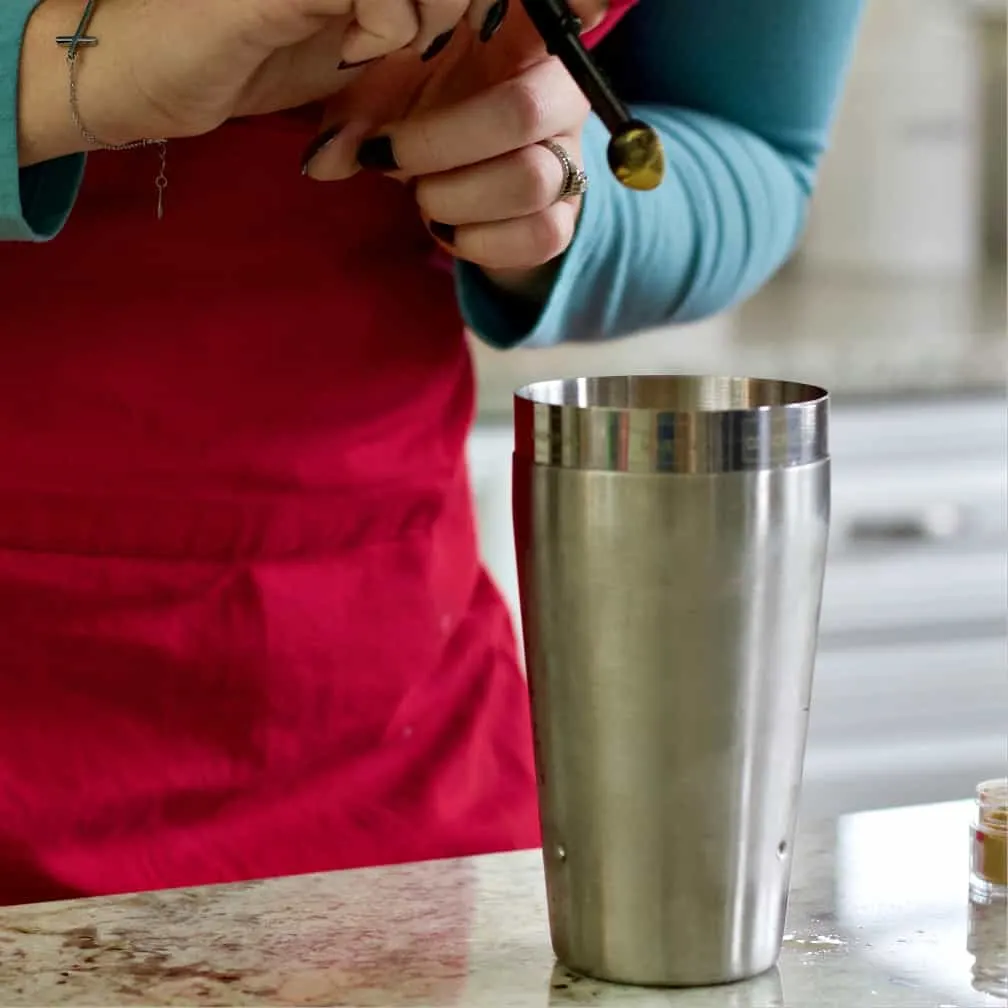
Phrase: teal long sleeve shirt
(743, 94)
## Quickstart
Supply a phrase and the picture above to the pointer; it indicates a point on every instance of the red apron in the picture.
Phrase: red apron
(244, 628)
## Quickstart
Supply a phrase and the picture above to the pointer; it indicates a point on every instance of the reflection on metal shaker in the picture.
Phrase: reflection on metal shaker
(765, 991)
(671, 538)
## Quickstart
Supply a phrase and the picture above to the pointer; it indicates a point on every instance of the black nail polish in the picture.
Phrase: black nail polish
(343, 65)
(320, 142)
(494, 19)
(438, 46)
(376, 154)
(443, 232)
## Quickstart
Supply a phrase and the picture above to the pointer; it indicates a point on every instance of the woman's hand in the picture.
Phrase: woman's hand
(487, 187)
(170, 68)
(467, 131)
(370, 37)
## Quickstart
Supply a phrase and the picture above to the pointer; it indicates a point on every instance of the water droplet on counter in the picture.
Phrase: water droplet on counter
(814, 943)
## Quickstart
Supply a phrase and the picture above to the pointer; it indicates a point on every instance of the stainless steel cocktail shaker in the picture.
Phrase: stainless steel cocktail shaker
(671, 541)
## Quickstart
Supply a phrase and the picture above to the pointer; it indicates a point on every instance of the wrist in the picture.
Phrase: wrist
(46, 125)
(532, 286)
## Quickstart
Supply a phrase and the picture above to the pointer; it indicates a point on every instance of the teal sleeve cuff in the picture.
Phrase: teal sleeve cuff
(35, 202)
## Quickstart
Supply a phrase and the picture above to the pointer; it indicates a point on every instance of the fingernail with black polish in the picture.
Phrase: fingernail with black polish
(494, 20)
(438, 46)
(317, 145)
(443, 232)
(343, 65)
(376, 154)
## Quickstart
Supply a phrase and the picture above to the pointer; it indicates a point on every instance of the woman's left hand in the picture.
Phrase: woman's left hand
(488, 189)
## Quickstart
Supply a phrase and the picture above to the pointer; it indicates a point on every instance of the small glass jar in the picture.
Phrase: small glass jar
(989, 861)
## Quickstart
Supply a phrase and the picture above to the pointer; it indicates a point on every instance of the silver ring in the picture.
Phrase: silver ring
(575, 181)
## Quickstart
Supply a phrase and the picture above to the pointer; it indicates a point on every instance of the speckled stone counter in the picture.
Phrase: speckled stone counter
(879, 917)
(857, 335)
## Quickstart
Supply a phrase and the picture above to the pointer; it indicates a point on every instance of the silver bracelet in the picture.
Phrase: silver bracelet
(73, 43)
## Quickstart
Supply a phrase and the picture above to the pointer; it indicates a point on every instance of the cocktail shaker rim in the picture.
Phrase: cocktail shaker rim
(671, 423)
(557, 392)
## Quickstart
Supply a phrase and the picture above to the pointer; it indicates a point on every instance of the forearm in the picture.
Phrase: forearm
(724, 220)
(743, 97)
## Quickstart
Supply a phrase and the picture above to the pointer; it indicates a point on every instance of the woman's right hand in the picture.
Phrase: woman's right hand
(172, 68)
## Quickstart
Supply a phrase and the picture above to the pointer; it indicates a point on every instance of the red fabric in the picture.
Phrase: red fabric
(616, 10)
(244, 630)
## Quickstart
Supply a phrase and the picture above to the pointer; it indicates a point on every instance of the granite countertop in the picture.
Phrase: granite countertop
(879, 917)
(858, 335)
